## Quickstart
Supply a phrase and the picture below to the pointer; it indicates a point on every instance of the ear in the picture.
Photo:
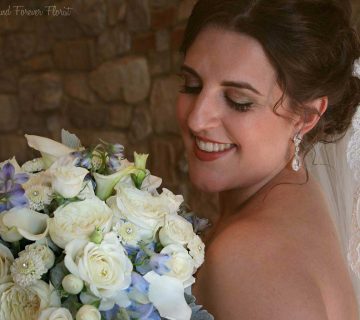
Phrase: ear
(314, 110)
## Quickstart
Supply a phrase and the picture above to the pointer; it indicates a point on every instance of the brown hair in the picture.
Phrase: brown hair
(310, 43)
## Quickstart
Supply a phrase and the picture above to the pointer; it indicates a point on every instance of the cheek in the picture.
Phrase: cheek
(183, 108)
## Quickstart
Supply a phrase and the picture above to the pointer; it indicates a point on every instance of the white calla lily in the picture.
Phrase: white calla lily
(167, 295)
(50, 150)
(19, 223)
(105, 184)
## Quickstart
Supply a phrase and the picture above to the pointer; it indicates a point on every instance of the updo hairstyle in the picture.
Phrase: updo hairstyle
(311, 45)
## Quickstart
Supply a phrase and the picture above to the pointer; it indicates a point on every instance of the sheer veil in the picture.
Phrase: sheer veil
(337, 167)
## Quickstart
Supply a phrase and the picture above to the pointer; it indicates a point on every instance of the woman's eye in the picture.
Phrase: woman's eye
(190, 89)
(239, 106)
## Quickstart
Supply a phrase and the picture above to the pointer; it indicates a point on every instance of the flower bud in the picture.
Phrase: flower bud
(72, 284)
(96, 236)
(88, 312)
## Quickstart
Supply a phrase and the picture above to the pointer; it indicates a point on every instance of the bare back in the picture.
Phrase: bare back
(277, 258)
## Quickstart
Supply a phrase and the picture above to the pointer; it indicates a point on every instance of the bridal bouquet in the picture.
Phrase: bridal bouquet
(85, 235)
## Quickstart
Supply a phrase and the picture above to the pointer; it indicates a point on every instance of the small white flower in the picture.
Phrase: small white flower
(197, 250)
(38, 196)
(88, 312)
(44, 251)
(34, 165)
(27, 268)
(126, 231)
(72, 284)
(356, 68)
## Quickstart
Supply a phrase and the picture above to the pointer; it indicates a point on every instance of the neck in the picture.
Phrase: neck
(231, 201)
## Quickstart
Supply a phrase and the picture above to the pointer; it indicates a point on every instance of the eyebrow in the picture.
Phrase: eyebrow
(235, 84)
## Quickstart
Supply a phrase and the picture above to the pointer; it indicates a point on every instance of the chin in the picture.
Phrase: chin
(206, 182)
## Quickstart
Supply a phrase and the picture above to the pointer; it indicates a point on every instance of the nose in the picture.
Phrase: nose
(205, 113)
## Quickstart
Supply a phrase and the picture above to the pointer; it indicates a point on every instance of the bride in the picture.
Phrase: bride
(264, 80)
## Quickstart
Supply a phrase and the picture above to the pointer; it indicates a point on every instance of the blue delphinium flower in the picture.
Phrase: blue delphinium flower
(142, 311)
(11, 192)
(158, 263)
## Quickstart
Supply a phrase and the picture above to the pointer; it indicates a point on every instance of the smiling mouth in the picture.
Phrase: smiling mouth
(208, 146)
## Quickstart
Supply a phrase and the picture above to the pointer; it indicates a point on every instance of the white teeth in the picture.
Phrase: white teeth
(212, 147)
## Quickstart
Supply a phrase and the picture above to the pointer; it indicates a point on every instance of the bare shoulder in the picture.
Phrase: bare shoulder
(268, 267)
(257, 276)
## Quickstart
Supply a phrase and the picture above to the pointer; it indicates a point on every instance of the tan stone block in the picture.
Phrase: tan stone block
(106, 81)
(91, 16)
(113, 42)
(163, 104)
(120, 116)
(126, 78)
(41, 92)
(75, 54)
(9, 112)
(138, 15)
(116, 11)
(8, 79)
(19, 46)
(141, 126)
(84, 116)
(76, 86)
(135, 78)
(41, 62)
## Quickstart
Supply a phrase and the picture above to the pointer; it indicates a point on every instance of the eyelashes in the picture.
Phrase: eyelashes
(242, 107)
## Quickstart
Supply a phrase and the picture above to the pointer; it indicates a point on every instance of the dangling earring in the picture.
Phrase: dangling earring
(296, 163)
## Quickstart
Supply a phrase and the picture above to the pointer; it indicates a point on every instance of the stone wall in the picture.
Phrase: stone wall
(101, 69)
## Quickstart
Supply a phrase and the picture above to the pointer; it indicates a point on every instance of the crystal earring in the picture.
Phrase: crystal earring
(296, 163)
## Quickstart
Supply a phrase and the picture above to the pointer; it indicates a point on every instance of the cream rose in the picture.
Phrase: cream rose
(68, 180)
(6, 259)
(105, 268)
(88, 312)
(18, 303)
(142, 208)
(77, 220)
(55, 314)
(176, 230)
(181, 265)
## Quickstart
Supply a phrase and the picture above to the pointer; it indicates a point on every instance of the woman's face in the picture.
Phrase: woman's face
(232, 136)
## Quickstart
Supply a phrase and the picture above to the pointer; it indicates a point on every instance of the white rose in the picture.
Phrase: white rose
(72, 284)
(142, 208)
(23, 222)
(18, 303)
(6, 259)
(68, 180)
(105, 267)
(181, 265)
(77, 220)
(176, 230)
(55, 314)
(197, 250)
(88, 312)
